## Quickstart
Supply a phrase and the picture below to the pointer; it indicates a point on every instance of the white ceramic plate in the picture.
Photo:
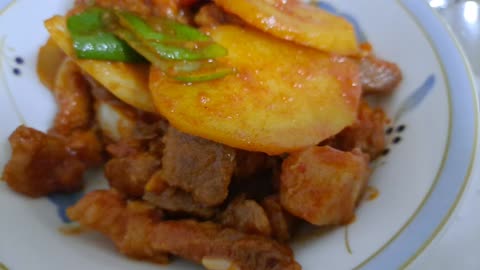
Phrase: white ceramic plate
(420, 180)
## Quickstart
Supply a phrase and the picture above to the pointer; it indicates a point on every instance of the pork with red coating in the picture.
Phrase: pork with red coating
(366, 134)
(198, 166)
(130, 174)
(323, 185)
(282, 222)
(201, 242)
(174, 200)
(378, 76)
(72, 94)
(127, 224)
(42, 164)
(247, 216)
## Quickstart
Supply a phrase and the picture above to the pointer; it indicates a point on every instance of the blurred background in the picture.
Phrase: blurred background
(463, 16)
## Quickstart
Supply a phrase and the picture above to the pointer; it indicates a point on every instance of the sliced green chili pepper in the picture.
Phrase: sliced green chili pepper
(210, 51)
(160, 42)
(139, 26)
(185, 71)
(146, 52)
(204, 75)
(92, 41)
(179, 30)
(181, 51)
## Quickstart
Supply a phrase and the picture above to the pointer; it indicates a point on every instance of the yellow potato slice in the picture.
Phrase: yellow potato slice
(284, 96)
(298, 22)
(128, 82)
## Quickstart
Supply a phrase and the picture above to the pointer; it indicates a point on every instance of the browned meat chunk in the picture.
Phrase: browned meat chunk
(174, 200)
(246, 216)
(130, 175)
(201, 167)
(129, 225)
(211, 15)
(202, 242)
(72, 94)
(251, 163)
(41, 164)
(322, 185)
(210, 244)
(125, 148)
(366, 134)
(87, 147)
(281, 221)
(379, 76)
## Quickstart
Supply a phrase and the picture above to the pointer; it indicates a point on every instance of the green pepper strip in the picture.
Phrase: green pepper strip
(150, 55)
(155, 40)
(140, 27)
(179, 30)
(202, 76)
(91, 41)
(182, 71)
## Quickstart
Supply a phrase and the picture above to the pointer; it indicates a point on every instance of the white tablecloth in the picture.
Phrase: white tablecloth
(458, 245)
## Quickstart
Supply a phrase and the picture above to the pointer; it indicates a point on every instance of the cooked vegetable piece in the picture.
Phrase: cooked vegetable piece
(157, 40)
(184, 71)
(91, 40)
(179, 30)
(204, 75)
(323, 185)
(140, 27)
(50, 57)
(273, 104)
(128, 82)
(140, 47)
(298, 22)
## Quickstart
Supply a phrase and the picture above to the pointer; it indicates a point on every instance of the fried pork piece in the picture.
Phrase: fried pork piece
(323, 185)
(211, 15)
(201, 167)
(366, 134)
(129, 225)
(251, 163)
(73, 120)
(281, 221)
(246, 216)
(87, 147)
(379, 76)
(130, 174)
(72, 94)
(174, 200)
(41, 164)
(143, 234)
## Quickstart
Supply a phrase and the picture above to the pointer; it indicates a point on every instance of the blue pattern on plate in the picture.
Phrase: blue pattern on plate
(416, 97)
(358, 30)
(63, 201)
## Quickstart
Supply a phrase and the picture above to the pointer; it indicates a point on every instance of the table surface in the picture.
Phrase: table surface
(457, 245)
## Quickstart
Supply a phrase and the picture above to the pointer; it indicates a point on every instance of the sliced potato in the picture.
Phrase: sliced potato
(50, 57)
(298, 22)
(284, 96)
(128, 82)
